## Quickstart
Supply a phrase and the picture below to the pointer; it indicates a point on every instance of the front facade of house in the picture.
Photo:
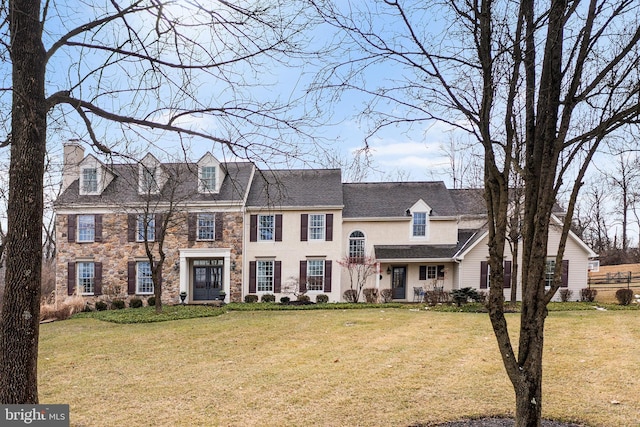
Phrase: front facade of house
(227, 228)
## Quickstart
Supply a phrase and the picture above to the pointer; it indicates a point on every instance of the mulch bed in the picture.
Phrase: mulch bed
(495, 422)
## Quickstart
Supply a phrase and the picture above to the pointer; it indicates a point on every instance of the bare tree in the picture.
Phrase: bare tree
(565, 71)
(359, 270)
(130, 72)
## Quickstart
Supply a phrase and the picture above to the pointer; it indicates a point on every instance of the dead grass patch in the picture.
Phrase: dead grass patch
(61, 310)
(374, 367)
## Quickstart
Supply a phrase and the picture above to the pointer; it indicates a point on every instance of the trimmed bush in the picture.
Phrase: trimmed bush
(386, 295)
(268, 298)
(304, 298)
(285, 300)
(463, 295)
(117, 304)
(624, 296)
(322, 298)
(350, 295)
(251, 298)
(101, 306)
(135, 303)
(588, 294)
(151, 301)
(565, 294)
(370, 295)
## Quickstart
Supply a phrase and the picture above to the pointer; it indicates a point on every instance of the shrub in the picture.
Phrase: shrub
(101, 306)
(386, 295)
(268, 298)
(350, 295)
(436, 297)
(624, 296)
(251, 298)
(304, 298)
(370, 295)
(135, 303)
(322, 298)
(565, 294)
(463, 295)
(117, 304)
(151, 301)
(285, 300)
(588, 294)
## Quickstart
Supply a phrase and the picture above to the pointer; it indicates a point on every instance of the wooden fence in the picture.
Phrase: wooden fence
(615, 280)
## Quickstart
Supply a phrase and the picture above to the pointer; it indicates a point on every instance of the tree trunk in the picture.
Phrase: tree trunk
(157, 286)
(21, 310)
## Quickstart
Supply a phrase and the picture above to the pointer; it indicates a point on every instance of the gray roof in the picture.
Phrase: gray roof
(296, 188)
(123, 190)
(375, 200)
(426, 252)
(469, 201)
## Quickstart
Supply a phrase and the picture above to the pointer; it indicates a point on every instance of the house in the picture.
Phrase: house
(285, 232)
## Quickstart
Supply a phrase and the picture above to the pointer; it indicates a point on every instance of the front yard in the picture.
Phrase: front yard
(372, 367)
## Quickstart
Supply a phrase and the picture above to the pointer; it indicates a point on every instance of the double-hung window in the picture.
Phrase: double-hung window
(264, 276)
(89, 180)
(86, 228)
(419, 224)
(206, 226)
(549, 272)
(356, 247)
(316, 227)
(315, 275)
(86, 278)
(149, 184)
(207, 179)
(146, 228)
(144, 281)
(266, 227)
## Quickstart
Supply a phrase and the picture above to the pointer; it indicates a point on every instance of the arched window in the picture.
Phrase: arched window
(356, 246)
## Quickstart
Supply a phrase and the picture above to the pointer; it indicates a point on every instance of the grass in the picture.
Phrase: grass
(370, 367)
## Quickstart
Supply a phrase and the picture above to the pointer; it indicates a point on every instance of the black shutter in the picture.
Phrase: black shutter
(131, 277)
(253, 228)
(303, 276)
(252, 277)
(97, 278)
(192, 226)
(507, 274)
(278, 235)
(423, 272)
(329, 228)
(71, 278)
(484, 269)
(277, 277)
(131, 227)
(565, 273)
(158, 220)
(71, 228)
(218, 220)
(327, 276)
(304, 227)
(98, 228)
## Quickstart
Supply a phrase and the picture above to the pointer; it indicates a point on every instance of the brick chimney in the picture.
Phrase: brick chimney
(73, 154)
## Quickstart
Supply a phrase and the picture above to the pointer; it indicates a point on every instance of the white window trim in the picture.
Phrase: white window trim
(82, 190)
(426, 226)
(201, 183)
(273, 269)
(78, 278)
(321, 261)
(273, 233)
(78, 220)
(151, 228)
(200, 239)
(138, 291)
(324, 228)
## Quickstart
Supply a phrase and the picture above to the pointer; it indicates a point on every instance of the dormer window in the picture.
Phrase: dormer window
(419, 224)
(207, 179)
(89, 180)
(149, 182)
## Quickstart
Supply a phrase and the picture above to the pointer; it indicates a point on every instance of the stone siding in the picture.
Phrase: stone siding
(114, 252)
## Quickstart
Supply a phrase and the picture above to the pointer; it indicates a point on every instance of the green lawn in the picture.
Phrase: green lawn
(372, 367)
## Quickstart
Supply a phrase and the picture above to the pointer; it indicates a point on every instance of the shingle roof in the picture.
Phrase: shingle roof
(469, 201)
(367, 200)
(123, 189)
(296, 187)
(425, 252)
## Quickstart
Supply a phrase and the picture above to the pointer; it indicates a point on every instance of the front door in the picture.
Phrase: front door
(207, 280)
(399, 282)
